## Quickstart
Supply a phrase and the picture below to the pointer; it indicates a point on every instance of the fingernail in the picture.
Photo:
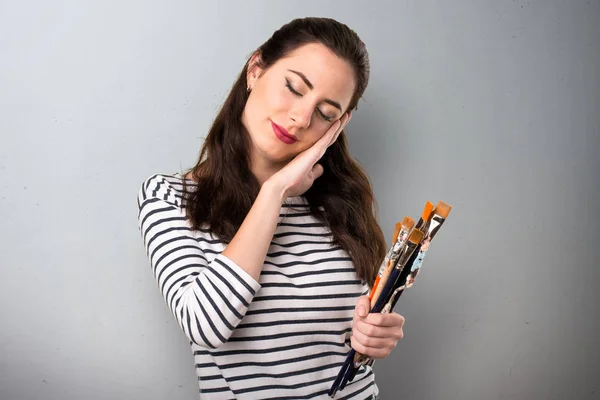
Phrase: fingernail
(362, 312)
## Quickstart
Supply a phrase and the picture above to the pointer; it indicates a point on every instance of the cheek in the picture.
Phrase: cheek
(278, 101)
(267, 103)
(272, 101)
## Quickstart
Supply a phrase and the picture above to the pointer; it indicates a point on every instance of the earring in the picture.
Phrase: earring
(249, 89)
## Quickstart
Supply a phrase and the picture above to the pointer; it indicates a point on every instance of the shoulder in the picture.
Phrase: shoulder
(167, 188)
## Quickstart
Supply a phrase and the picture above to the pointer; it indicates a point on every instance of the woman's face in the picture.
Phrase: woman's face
(294, 102)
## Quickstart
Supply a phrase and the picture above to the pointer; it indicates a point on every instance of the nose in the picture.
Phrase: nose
(301, 116)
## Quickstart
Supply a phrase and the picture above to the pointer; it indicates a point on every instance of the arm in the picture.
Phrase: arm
(208, 300)
(250, 244)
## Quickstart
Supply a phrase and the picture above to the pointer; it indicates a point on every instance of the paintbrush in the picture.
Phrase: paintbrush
(394, 255)
(348, 367)
(412, 247)
(386, 269)
(407, 225)
(386, 260)
(433, 222)
(413, 241)
(430, 222)
(439, 215)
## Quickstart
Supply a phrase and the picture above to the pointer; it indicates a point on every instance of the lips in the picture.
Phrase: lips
(282, 134)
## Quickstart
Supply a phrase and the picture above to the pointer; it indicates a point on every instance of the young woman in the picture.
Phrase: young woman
(266, 249)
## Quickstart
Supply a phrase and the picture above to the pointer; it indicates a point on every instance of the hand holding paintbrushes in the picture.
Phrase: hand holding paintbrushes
(401, 247)
(398, 272)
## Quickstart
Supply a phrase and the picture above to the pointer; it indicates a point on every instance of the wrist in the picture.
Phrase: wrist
(274, 189)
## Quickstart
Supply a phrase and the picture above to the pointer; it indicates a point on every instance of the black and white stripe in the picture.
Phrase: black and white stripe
(284, 337)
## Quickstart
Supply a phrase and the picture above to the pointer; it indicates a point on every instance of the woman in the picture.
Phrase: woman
(266, 249)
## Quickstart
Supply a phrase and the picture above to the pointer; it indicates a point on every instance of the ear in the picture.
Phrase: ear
(254, 70)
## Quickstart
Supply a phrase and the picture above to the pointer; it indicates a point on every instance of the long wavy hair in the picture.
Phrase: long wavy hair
(226, 188)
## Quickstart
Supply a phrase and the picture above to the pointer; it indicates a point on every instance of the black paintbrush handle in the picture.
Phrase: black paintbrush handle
(387, 290)
(347, 364)
(350, 373)
(395, 299)
(402, 279)
(396, 278)
(353, 374)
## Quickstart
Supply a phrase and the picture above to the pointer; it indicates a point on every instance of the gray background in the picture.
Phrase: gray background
(491, 106)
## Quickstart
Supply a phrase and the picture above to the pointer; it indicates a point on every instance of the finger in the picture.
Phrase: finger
(385, 320)
(375, 331)
(333, 129)
(372, 351)
(374, 341)
(316, 171)
(336, 132)
(335, 137)
(362, 308)
(317, 150)
(348, 118)
(322, 144)
(343, 122)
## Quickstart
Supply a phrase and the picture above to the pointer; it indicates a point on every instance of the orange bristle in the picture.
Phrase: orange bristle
(427, 211)
(443, 209)
(415, 236)
(408, 223)
(397, 228)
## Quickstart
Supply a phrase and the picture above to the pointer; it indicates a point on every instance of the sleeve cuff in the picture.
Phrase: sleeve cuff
(241, 277)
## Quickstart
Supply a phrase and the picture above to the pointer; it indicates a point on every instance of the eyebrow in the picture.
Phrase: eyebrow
(310, 86)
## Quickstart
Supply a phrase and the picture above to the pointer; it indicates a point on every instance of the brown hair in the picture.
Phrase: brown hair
(227, 188)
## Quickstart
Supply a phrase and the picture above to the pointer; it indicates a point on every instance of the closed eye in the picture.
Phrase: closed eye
(291, 89)
(289, 86)
(325, 117)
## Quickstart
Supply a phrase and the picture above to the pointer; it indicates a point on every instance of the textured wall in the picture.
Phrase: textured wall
(490, 106)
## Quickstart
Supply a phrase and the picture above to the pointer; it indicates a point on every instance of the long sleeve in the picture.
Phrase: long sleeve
(208, 298)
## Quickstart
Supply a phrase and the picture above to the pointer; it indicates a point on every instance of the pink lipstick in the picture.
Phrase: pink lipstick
(282, 134)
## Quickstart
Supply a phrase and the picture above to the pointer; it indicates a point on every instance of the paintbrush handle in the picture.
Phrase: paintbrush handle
(382, 299)
(396, 278)
(342, 373)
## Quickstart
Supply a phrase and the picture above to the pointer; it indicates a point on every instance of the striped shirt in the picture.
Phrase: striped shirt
(283, 337)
